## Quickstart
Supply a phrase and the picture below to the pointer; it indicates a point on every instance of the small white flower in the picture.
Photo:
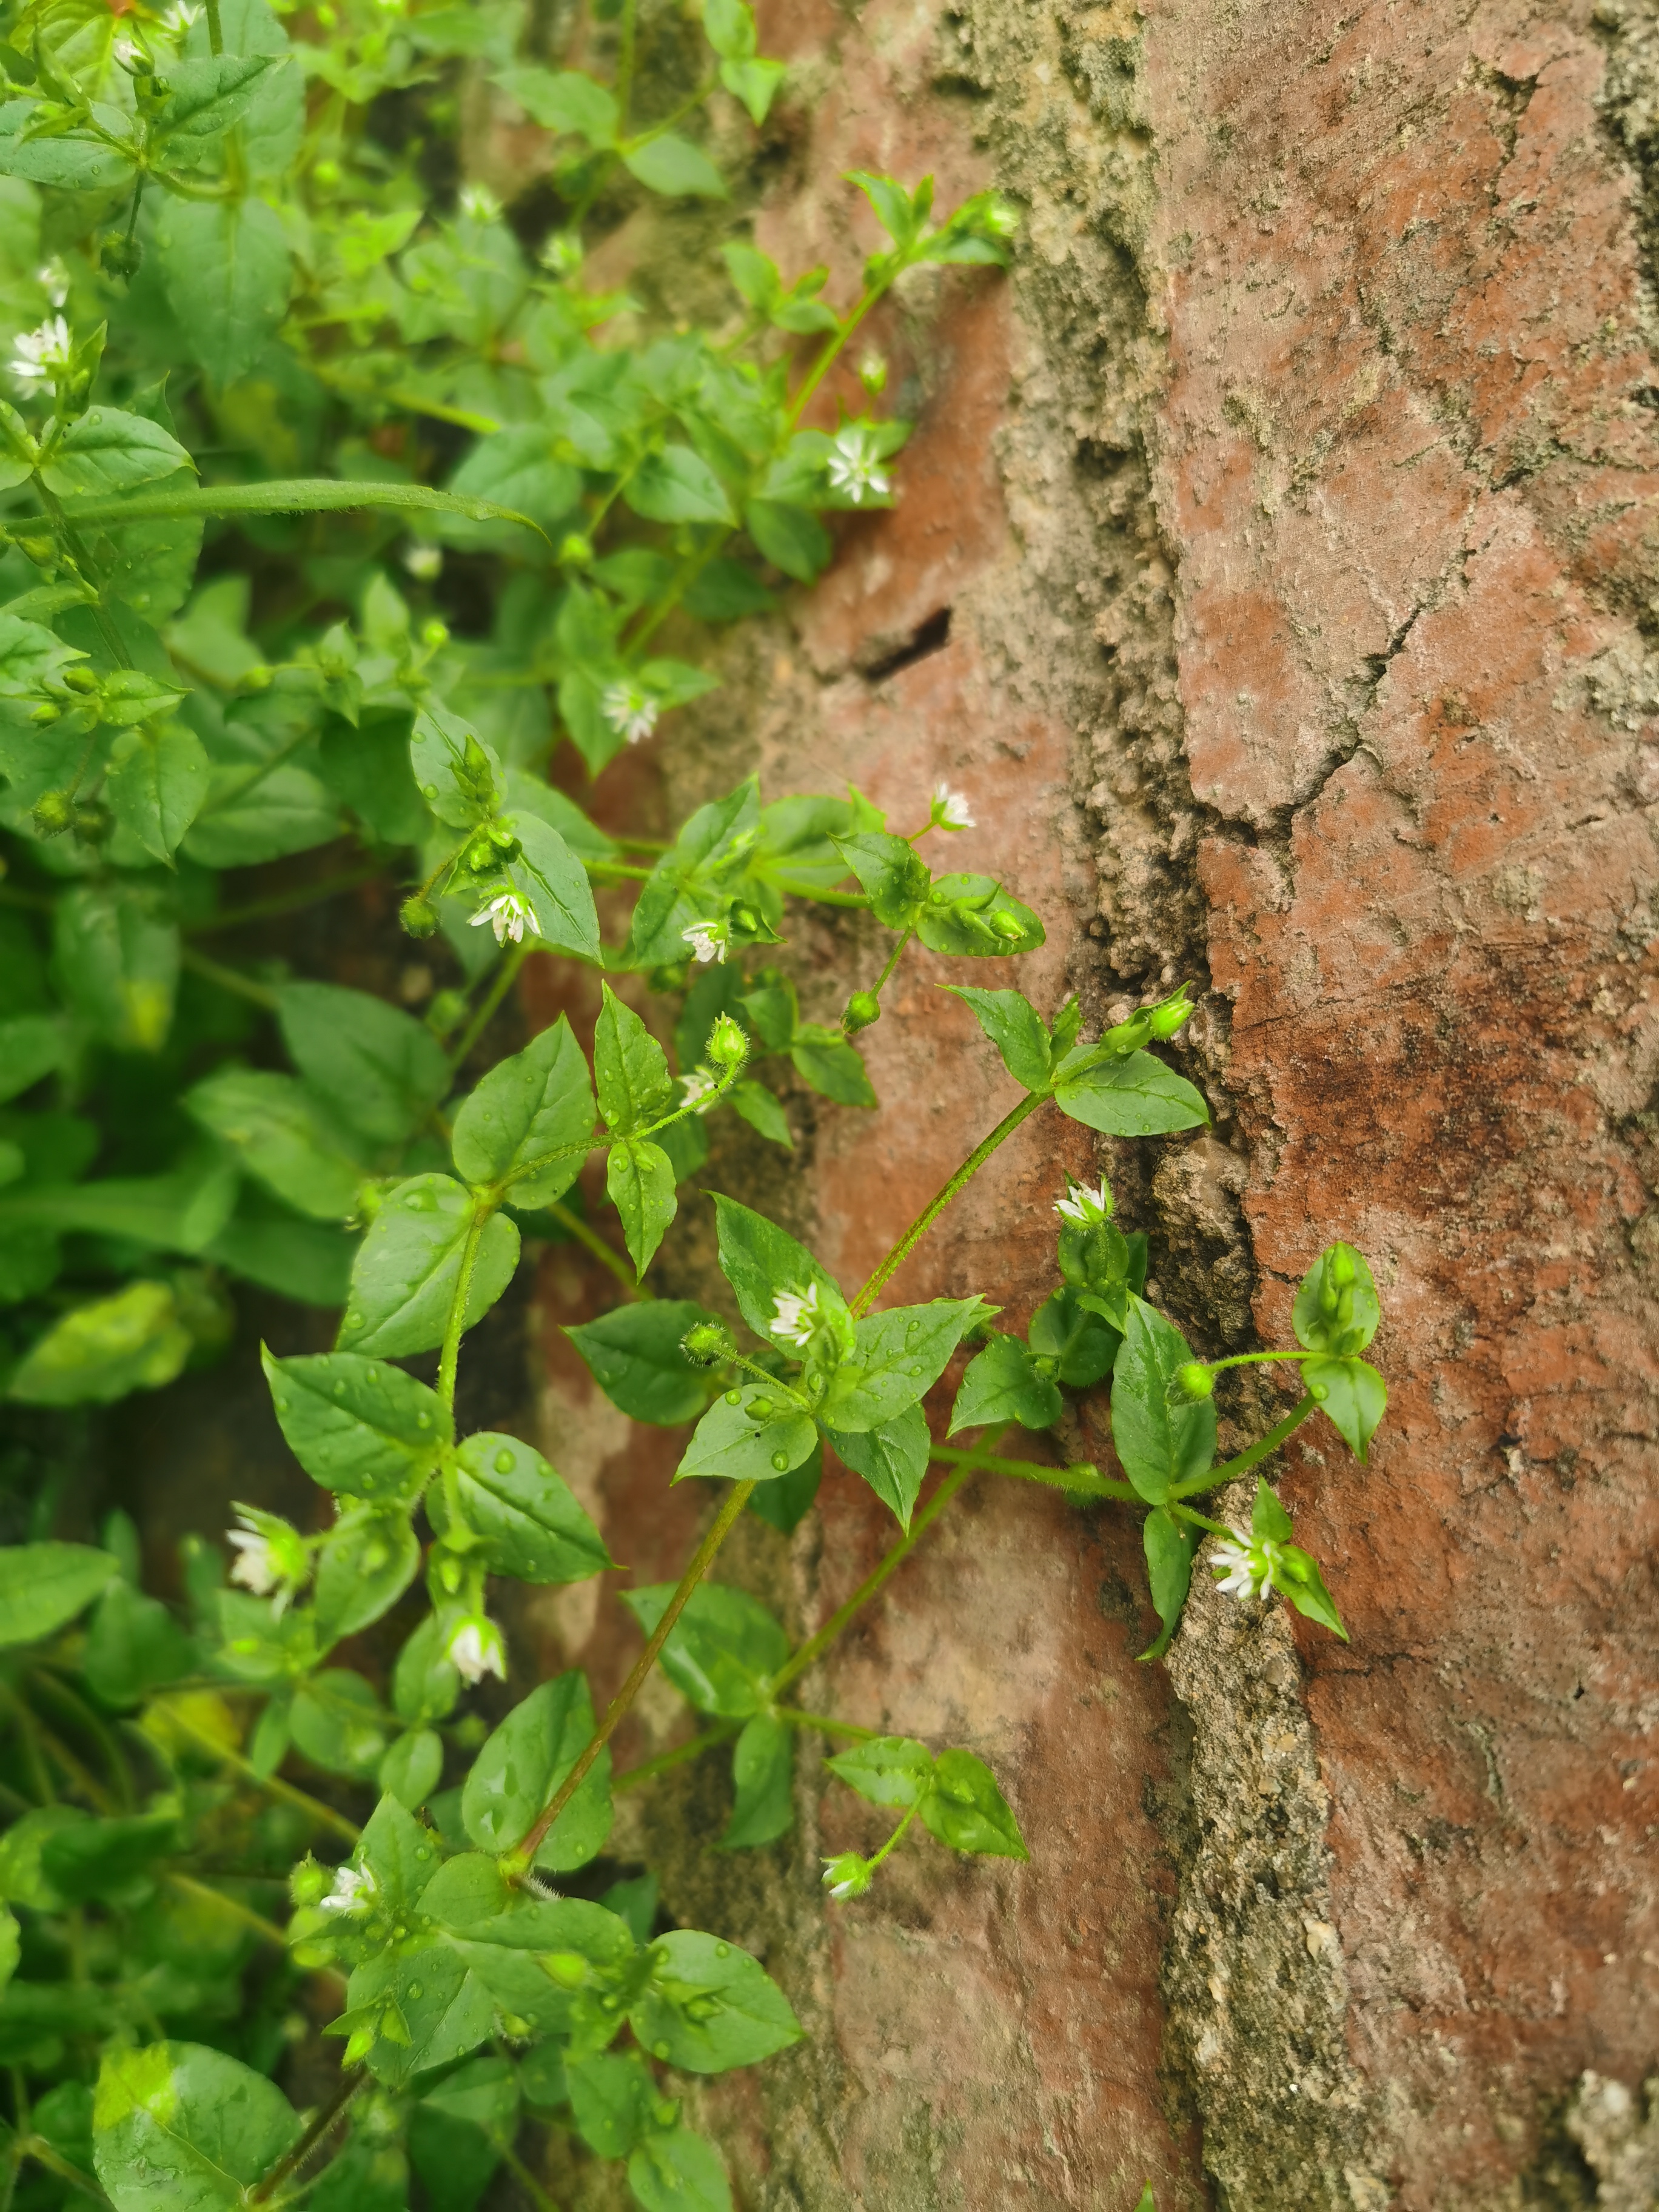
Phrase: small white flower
(476, 1650)
(39, 356)
(354, 1891)
(54, 280)
(847, 1875)
(255, 1565)
(423, 561)
(631, 712)
(1240, 1567)
(128, 54)
(707, 940)
(796, 1316)
(855, 468)
(950, 809)
(509, 915)
(269, 1557)
(1087, 1206)
(698, 1088)
(178, 18)
(479, 204)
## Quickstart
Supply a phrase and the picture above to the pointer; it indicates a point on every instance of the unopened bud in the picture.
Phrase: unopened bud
(1169, 1016)
(419, 917)
(52, 813)
(709, 1342)
(79, 679)
(728, 1047)
(45, 712)
(325, 173)
(309, 1882)
(40, 551)
(120, 256)
(1192, 1383)
(576, 551)
(435, 634)
(257, 679)
(862, 1008)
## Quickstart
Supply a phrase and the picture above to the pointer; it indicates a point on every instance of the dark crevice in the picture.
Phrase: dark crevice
(930, 636)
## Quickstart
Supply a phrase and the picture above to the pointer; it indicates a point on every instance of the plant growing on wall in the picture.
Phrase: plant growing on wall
(271, 395)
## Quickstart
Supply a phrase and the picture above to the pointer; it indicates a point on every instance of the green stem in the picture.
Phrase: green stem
(833, 346)
(1246, 1460)
(1201, 1520)
(282, 903)
(228, 979)
(893, 959)
(324, 2122)
(501, 984)
(930, 1213)
(591, 1240)
(449, 1358)
(649, 1769)
(675, 115)
(790, 888)
(37, 2148)
(266, 1930)
(618, 872)
(215, 31)
(820, 1720)
(1084, 1480)
(71, 1702)
(892, 1841)
(527, 2181)
(702, 1559)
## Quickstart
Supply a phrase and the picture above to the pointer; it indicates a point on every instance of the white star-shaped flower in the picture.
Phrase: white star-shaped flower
(39, 356)
(479, 204)
(855, 466)
(509, 915)
(707, 940)
(1085, 1205)
(255, 1565)
(951, 809)
(269, 1557)
(354, 1891)
(630, 710)
(797, 1315)
(1240, 1568)
(476, 1649)
(179, 19)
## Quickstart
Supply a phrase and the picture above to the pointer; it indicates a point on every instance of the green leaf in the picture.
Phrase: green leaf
(441, 2009)
(531, 1524)
(550, 876)
(356, 1424)
(630, 1068)
(709, 2006)
(762, 1780)
(521, 1765)
(763, 1110)
(672, 165)
(31, 1045)
(975, 916)
(294, 496)
(134, 1646)
(678, 485)
(1066, 1330)
(30, 656)
(831, 1065)
(11, 1949)
(1001, 1385)
(424, 1684)
(1136, 1097)
(639, 1180)
(287, 809)
(118, 956)
(225, 270)
(105, 453)
(894, 210)
(635, 1356)
(564, 100)
(1159, 1445)
(156, 785)
(729, 27)
(411, 1769)
(1298, 1577)
(755, 84)
(179, 2128)
(723, 1651)
(759, 1260)
(892, 872)
(367, 1560)
(678, 2171)
(689, 885)
(404, 1277)
(1267, 1517)
(565, 1965)
(536, 1101)
(338, 1725)
(43, 1586)
(1170, 1548)
(80, 159)
(516, 468)
(208, 98)
(965, 1809)
(790, 537)
(1015, 1028)
(283, 1137)
(892, 1769)
(459, 777)
(898, 1357)
(752, 1433)
(892, 1458)
(1337, 1308)
(379, 1070)
(97, 1353)
(458, 2131)
(784, 1503)
(1351, 1393)
(613, 2099)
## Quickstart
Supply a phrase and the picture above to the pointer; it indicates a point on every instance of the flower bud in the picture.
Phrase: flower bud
(45, 712)
(847, 1875)
(257, 679)
(83, 680)
(120, 256)
(862, 1008)
(728, 1047)
(52, 813)
(419, 917)
(40, 551)
(325, 173)
(576, 551)
(308, 1883)
(1191, 1384)
(709, 1342)
(1167, 1018)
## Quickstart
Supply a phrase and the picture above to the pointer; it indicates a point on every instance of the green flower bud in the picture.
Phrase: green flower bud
(308, 1883)
(576, 551)
(83, 680)
(119, 256)
(40, 551)
(53, 812)
(419, 917)
(847, 1875)
(325, 173)
(862, 1008)
(728, 1047)
(258, 679)
(709, 1342)
(46, 713)
(1191, 1384)
(1167, 1018)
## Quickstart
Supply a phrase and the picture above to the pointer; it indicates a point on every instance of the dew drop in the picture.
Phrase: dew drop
(722, 1950)
(504, 1462)
(781, 1460)
(734, 1397)
(414, 1988)
(353, 1321)
(423, 1420)
(661, 2050)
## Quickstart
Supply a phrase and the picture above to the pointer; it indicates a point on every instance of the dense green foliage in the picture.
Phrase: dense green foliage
(287, 406)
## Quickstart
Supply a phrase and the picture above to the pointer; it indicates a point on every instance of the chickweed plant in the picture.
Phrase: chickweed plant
(277, 387)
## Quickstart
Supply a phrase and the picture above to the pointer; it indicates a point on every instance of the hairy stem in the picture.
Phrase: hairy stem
(1083, 1479)
(499, 984)
(702, 1559)
(326, 2121)
(930, 1213)
(449, 1358)
(215, 29)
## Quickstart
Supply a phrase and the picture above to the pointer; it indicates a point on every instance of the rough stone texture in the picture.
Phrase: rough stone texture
(1293, 506)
